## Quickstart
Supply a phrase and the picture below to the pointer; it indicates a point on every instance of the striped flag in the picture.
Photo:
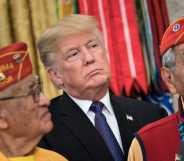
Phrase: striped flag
(118, 22)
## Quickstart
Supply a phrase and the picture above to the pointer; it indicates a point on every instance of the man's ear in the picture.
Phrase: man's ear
(168, 78)
(55, 76)
(3, 121)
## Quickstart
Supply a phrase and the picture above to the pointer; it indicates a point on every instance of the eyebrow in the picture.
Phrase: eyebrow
(89, 41)
(74, 48)
(68, 50)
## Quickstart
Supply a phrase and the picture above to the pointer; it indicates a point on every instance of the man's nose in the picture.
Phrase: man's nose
(88, 56)
(43, 101)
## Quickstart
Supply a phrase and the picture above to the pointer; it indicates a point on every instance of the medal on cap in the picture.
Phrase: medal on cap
(2, 77)
(17, 58)
(15, 65)
(176, 27)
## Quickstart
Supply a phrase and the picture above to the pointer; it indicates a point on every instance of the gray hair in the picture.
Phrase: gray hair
(169, 59)
(69, 25)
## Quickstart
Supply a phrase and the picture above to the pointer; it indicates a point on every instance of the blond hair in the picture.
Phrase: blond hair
(69, 25)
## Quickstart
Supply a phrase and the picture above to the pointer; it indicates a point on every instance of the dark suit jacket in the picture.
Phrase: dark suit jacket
(75, 137)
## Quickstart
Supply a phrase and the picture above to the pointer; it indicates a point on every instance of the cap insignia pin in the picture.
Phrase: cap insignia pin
(17, 58)
(2, 77)
(176, 27)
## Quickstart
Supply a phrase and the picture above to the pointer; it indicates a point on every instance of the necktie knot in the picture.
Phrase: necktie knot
(97, 107)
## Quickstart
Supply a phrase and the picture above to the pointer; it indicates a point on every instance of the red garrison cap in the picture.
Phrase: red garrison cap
(173, 35)
(15, 67)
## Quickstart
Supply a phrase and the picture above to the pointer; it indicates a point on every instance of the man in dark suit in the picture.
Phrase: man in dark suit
(76, 60)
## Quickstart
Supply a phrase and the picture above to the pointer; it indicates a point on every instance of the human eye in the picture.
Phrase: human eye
(92, 44)
(72, 54)
(182, 54)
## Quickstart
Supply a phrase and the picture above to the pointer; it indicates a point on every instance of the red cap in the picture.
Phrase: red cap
(173, 35)
(15, 65)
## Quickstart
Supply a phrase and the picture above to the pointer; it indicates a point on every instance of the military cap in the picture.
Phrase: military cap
(173, 35)
(15, 70)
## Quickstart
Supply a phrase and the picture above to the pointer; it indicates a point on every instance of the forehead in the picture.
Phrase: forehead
(16, 104)
(76, 40)
(21, 88)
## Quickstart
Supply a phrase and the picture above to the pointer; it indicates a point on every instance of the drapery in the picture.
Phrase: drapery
(132, 30)
(25, 20)
(126, 26)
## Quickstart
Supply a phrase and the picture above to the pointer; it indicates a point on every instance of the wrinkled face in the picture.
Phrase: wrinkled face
(179, 72)
(27, 117)
(83, 63)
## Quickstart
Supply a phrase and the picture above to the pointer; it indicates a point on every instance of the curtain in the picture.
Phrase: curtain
(25, 21)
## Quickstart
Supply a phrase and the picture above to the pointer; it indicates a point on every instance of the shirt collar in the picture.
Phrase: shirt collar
(85, 104)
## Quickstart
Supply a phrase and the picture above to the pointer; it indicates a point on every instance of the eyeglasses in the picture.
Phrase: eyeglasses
(35, 89)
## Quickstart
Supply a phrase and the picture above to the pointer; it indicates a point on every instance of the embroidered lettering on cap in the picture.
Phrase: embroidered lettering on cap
(15, 65)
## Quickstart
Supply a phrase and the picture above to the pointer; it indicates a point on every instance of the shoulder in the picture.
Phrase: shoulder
(142, 112)
(131, 101)
(44, 153)
(60, 101)
(159, 137)
(55, 104)
(135, 151)
(167, 123)
(57, 99)
(134, 105)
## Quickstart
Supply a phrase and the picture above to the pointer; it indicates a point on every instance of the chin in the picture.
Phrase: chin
(100, 81)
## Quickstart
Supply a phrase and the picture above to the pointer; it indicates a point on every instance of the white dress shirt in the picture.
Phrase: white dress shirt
(107, 111)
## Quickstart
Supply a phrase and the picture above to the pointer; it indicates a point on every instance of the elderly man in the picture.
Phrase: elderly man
(163, 140)
(90, 124)
(24, 116)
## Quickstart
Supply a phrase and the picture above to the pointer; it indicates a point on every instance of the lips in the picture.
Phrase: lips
(94, 72)
(46, 115)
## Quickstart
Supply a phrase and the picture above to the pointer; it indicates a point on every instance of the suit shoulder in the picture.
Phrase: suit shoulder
(160, 125)
(144, 111)
(134, 103)
(55, 103)
(56, 99)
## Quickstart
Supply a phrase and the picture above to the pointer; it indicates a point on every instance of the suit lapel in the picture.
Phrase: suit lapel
(123, 123)
(81, 127)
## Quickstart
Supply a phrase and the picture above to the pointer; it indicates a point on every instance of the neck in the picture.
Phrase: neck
(12, 147)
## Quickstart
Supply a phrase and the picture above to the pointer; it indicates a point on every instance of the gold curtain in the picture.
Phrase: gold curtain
(25, 20)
